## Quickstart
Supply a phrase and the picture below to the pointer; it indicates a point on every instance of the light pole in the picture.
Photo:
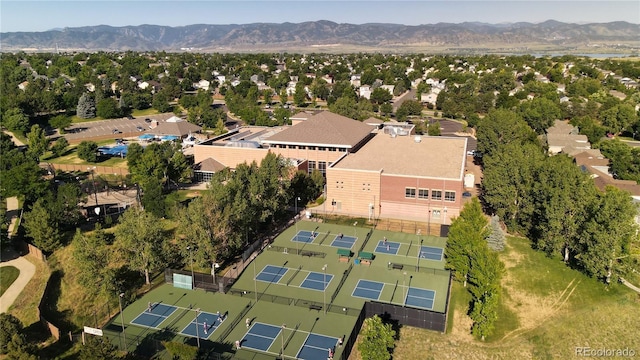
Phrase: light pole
(93, 182)
(429, 222)
(255, 281)
(419, 255)
(355, 231)
(404, 287)
(297, 198)
(122, 320)
(284, 326)
(444, 215)
(193, 280)
(324, 291)
(197, 330)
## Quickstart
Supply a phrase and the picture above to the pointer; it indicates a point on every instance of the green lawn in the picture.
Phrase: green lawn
(144, 112)
(8, 274)
(547, 310)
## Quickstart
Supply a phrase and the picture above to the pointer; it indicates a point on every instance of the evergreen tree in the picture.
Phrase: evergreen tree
(38, 143)
(377, 339)
(496, 237)
(86, 107)
(42, 227)
(59, 146)
(88, 151)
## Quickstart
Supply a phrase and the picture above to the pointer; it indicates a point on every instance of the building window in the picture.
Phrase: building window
(312, 166)
(423, 194)
(291, 146)
(321, 148)
(436, 194)
(332, 149)
(435, 214)
(322, 167)
(449, 196)
(410, 193)
(312, 147)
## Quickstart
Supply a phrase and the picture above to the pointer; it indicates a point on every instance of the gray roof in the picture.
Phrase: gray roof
(323, 129)
(179, 128)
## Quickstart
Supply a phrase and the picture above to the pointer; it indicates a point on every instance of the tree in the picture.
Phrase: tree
(540, 113)
(107, 108)
(38, 143)
(377, 339)
(140, 238)
(484, 285)
(88, 151)
(42, 227)
(91, 255)
(59, 146)
(98, 348)
(434, 129)
(161, 101)
(9, 325)
(60, 122)
(300, 96)
(468, 231)
(14, 119)
(496, 237)
(605, 238)
(501, 127)
(380, 95)
(411, 107)
(619, 118)
(86, 107)
(153, 198)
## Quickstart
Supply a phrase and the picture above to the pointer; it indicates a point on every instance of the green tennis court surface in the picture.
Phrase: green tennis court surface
(153, 317)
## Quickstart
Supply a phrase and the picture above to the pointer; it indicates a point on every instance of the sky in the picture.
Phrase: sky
(20, 15)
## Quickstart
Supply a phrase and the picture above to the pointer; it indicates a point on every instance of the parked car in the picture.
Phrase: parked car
(139, 128)
(116, 131)
(130, 117)
(466, 194)
(147, 120)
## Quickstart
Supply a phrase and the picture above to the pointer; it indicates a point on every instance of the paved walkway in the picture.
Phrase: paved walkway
(14, 138)
(27, 270)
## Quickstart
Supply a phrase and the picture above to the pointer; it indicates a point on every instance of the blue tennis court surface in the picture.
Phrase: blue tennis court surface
(388, 247)
(305, 236)
(205, 324)
(368, 289)
(271, 274)
(421, 298)
(316, 347)
(343, 241)
(153, 318)
(316, 281)
(431, 253)
(260, 336)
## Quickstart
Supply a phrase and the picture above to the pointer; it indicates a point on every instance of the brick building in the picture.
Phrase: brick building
(371, 171)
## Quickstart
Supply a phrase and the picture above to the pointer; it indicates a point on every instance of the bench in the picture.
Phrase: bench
(306, 253)
(365, 262)
(363, 255)
(315, 307)
(343, 259)
(397, 266)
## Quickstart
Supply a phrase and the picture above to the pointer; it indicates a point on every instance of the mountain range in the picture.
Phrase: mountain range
(319, 36)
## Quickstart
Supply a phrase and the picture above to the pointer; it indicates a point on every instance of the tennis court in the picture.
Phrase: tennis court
(271, 273)
(431, 253)
(316, 281)
(388, 247)
(153, 318)
(261, 336)
(316, 347)
(343, 241)
(203, 325)
(420, 298)
(368, 289)
(305, 236)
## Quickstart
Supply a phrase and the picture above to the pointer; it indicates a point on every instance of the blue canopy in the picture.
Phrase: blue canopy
(169, 138)
(146, 136)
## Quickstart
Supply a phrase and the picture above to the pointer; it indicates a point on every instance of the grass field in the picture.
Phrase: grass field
(8, 274)
(26, 303)
(547, 311)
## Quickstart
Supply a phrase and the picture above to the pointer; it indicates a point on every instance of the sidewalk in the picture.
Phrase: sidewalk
(27, 270)
(14, 138)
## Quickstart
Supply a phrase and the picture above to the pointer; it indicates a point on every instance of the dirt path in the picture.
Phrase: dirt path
(27, 269)
(14, 138)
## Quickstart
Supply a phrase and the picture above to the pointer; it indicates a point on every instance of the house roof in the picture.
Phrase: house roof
(602, 179)
(592, 157)
(323, 129)
(209, 165)
(176, 128)
(421, 156)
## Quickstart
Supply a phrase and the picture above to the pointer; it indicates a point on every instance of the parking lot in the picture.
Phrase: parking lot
(116, 128)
